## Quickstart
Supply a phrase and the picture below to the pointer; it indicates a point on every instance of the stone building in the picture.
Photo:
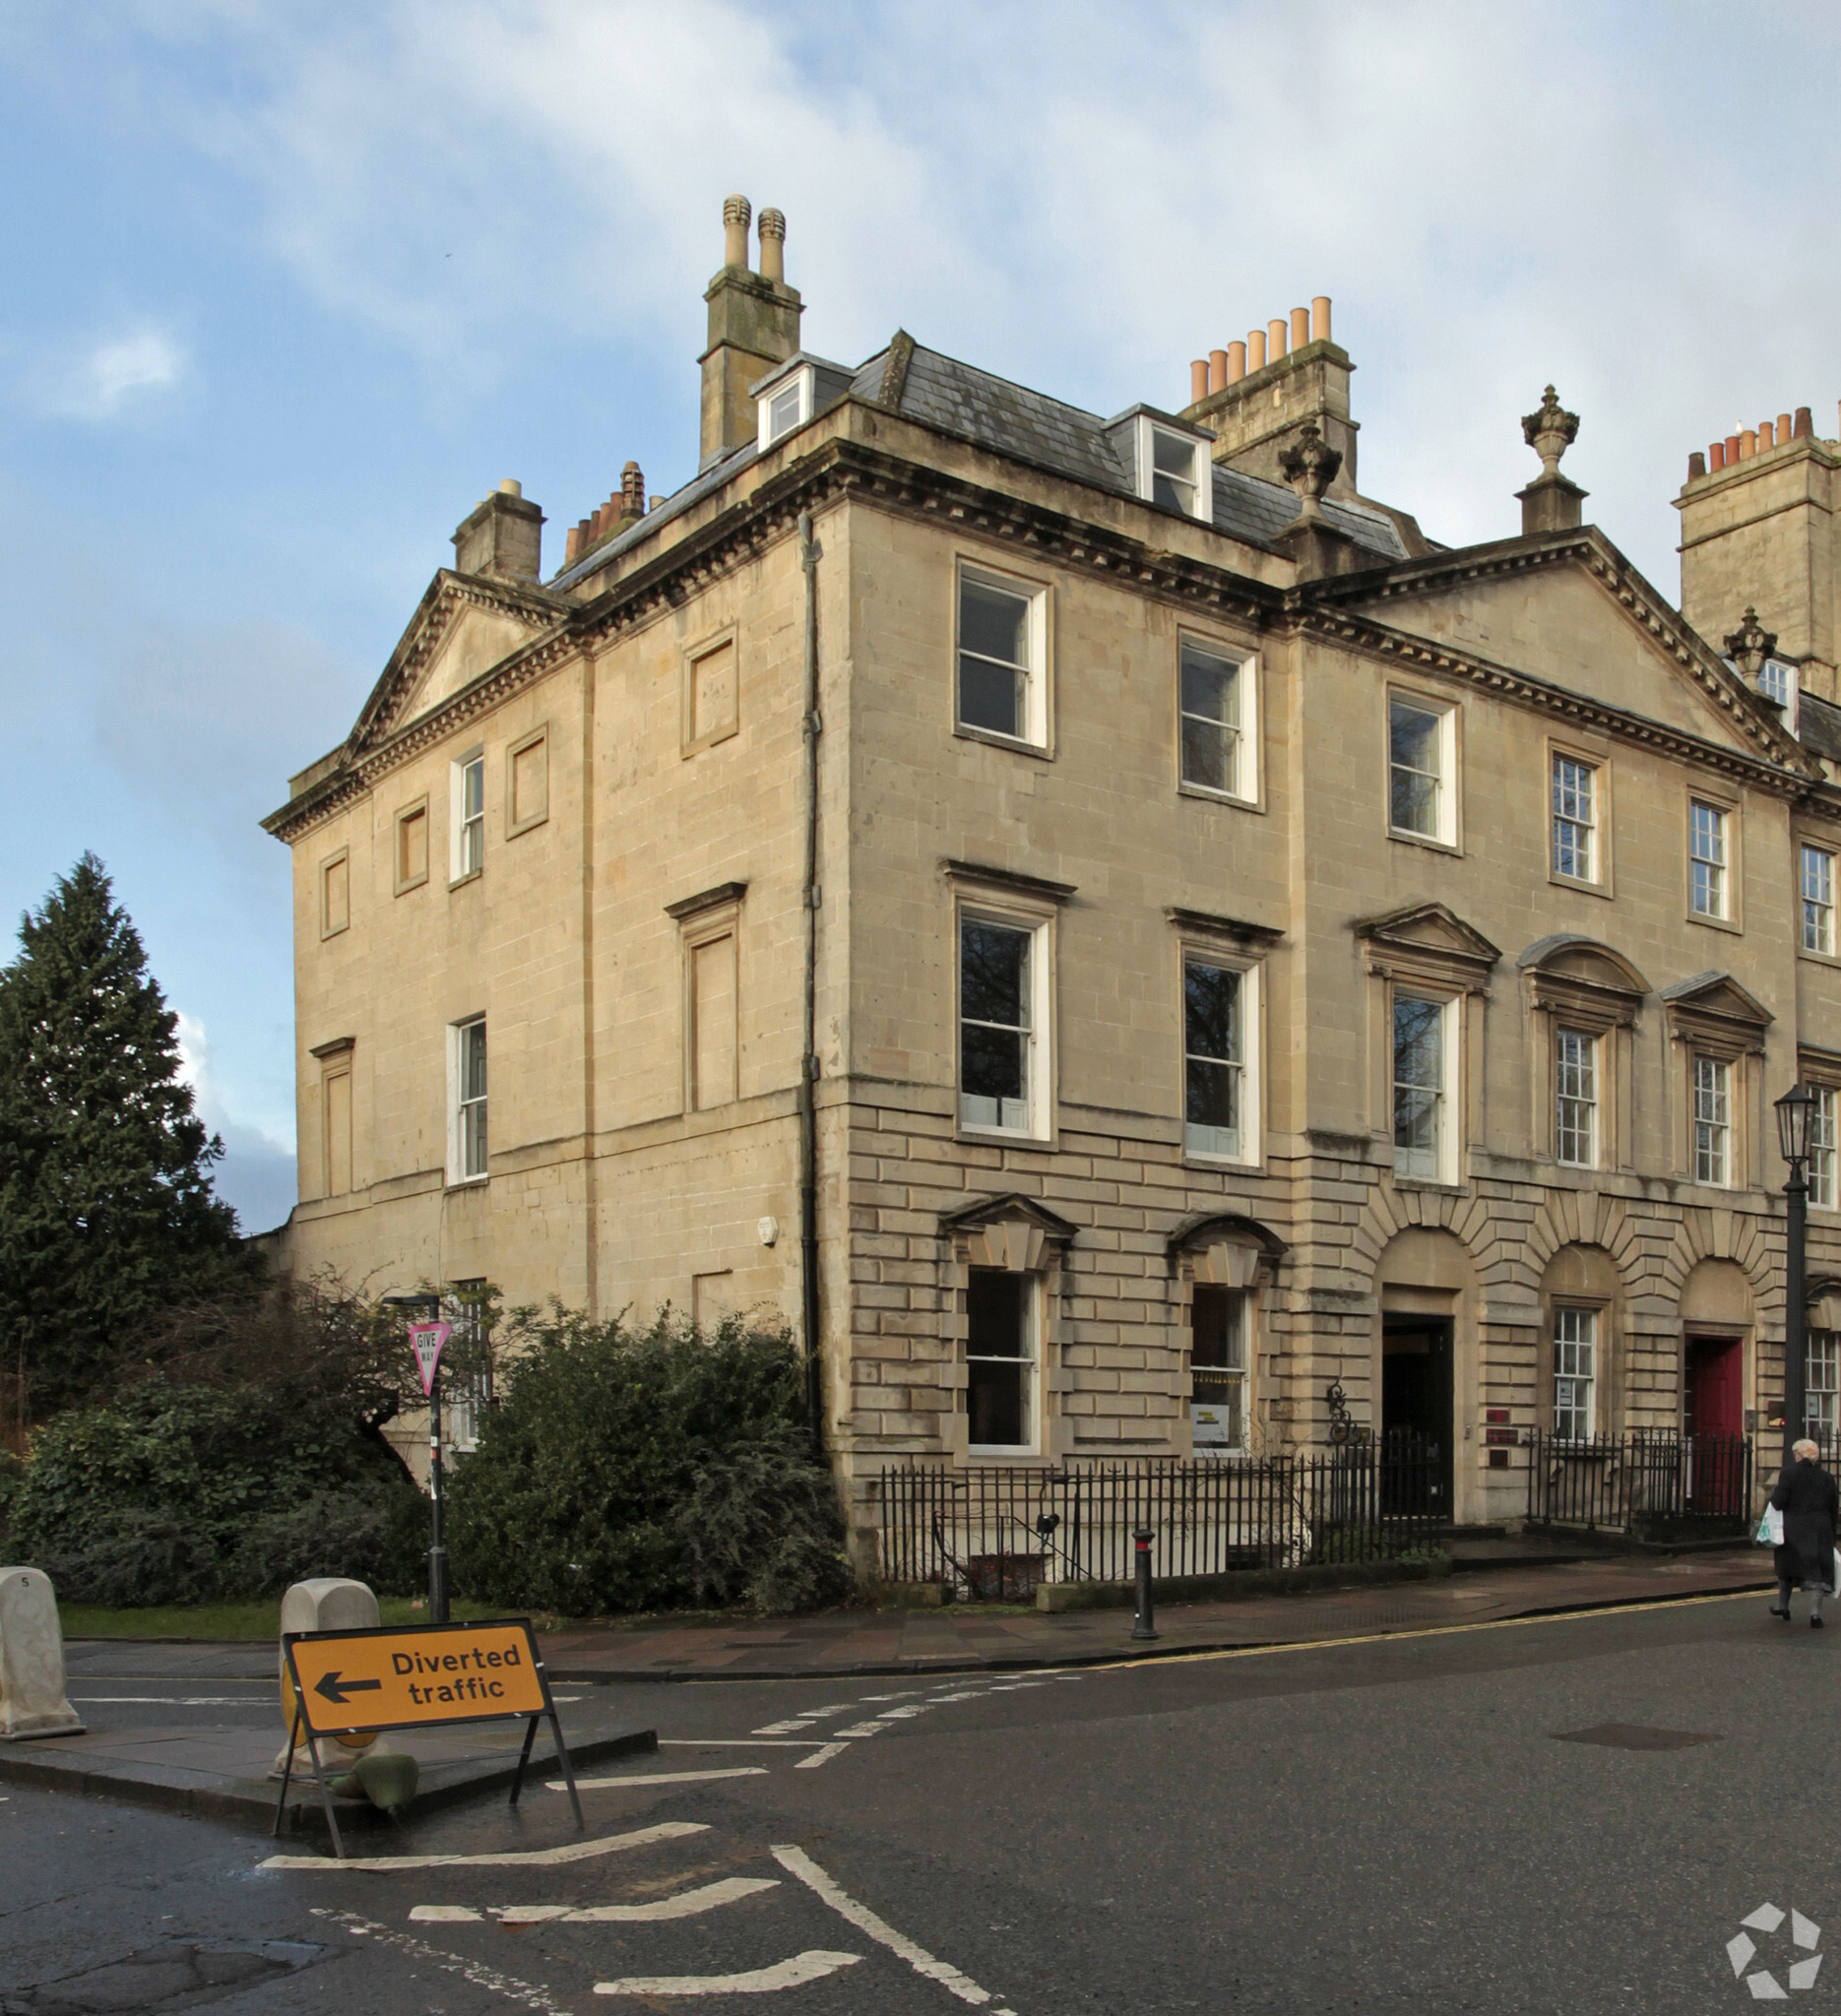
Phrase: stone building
(1103, 927)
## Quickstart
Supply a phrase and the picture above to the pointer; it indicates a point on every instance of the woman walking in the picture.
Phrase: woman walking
(1805, 1495)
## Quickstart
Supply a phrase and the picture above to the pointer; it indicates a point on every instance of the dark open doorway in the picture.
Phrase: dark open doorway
(1417, 1408)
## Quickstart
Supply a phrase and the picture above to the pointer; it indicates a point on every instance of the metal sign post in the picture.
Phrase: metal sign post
(425, 1677)
(428, 1340)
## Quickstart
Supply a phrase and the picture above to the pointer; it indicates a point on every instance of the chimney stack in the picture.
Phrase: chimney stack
(502, 538)
(754, 325)
(1264, 394)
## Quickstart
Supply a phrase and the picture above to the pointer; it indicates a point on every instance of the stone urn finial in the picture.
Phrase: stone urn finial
(1751, 644)
(1311, 467)
(1550, 431)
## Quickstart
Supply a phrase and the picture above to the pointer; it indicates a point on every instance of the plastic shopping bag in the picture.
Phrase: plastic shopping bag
(1770, 1533)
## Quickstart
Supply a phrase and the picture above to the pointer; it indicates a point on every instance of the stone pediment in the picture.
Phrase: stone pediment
(1426, 940)
(1224, 1247)
(463, 626)
(1713, 1012)
(1010, 1232)
(1575, 976)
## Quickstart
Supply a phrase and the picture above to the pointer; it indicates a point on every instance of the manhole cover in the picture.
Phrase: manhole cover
(182, 1974)
(1631, 1735)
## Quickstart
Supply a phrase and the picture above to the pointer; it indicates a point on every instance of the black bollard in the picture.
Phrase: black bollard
(1143, 1625)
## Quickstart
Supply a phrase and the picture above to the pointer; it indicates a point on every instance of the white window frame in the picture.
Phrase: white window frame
(1035, 671)
(770, 427)
(1030, 1362)
(1822, 1148)
(1240, 1373)
(466, 829)
(1577, 816)
(1576, 1096)
(1442, 1166)
(1036, 1123)
(1709, 859)
(1243, 731)
(1821, 1385)
(1816, 930)
(1710, 1119)
(1200, 481)
(1575, 1373)
(1445, 777)
(461, 1138)
(1246, 1152)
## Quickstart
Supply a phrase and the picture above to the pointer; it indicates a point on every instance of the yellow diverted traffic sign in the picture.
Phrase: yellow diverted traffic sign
(415, 1676)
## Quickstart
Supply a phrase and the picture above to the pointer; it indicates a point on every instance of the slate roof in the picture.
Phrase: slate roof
(956, 399)
(1818, 725)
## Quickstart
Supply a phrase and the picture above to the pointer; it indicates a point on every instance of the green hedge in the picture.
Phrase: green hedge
(630, 1470)
(174, 1494)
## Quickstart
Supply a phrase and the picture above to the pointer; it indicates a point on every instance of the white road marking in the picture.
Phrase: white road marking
(732, 1743)
(662, 1778)
(1017, 1686)
(902, 1714)
(906, 1694)
(819, 1757)
(782, 1729)
(524, 1858)
(796, 1862)
(167, 1700)
(682, 1904)
(760, 1981)
(863, 1729)
(445, 1914)
(481, 1977)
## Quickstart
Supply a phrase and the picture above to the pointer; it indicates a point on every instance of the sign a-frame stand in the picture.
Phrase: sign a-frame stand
(423, 1677)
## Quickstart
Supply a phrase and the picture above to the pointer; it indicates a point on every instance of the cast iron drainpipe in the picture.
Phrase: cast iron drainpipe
(810, 553)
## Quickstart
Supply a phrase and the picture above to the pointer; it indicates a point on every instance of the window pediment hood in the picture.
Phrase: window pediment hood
(1712, 1011)
(1224, 1247)
(1011, 1232)
(1427, 938)
(1577, 974)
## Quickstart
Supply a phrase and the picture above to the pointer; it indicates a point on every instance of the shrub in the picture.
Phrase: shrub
(640, 1469)
(187, 1493)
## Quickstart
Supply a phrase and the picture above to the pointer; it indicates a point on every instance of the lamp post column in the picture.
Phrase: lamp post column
(437, 1553)
(1795, 1316)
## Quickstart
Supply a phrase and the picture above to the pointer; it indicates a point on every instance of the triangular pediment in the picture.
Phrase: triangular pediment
(1718, 996)
(463, 627)
(1430, 929)
(1013, 1208)
(1570, 611)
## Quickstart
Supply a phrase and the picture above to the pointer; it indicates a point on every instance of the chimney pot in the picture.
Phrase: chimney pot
(773, 231)
(1747, 443)
(1216, 370)
(1716, 455)
(1236, 363)
(1732, 450)
(1767, 436)
(1255, 350)
(736, 211)
(1696, 464)
(653, 503)
(572, 545)
(1198, 380)
(1275, 338)
(1783, 428)
(1300, 328)
(1805, 425)
(1321, 318)
(632, 491)
(510, 486)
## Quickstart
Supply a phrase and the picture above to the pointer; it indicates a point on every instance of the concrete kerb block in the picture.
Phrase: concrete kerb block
(328, 1602)
(32, 1702)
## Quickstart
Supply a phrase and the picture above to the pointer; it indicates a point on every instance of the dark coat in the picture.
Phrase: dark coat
(1805, 1495)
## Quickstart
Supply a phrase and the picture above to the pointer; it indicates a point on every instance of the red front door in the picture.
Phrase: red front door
(1715, 1395)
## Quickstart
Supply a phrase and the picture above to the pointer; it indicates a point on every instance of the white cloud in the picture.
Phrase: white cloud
(257, 1176)
(113, 375)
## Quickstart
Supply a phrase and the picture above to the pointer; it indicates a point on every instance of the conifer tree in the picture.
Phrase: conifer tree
(106, 1207)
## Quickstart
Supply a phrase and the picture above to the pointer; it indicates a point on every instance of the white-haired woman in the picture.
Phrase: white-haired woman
(1805, 1495)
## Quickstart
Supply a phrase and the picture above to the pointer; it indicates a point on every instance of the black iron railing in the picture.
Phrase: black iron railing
(1622, 1481)
(997, 1533)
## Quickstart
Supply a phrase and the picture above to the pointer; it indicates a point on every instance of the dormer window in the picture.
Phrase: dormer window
(1174, 470)
(785, 406)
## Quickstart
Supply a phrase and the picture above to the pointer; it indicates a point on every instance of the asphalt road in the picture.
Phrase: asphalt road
(1374, 1826)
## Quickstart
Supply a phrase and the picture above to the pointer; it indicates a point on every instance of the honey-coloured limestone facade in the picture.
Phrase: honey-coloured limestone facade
(1102, 927)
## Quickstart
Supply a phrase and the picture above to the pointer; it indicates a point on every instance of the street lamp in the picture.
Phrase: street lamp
(426, 1304)
(1796, 1120)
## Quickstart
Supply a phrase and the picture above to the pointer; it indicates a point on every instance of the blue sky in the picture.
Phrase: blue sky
(290, 287)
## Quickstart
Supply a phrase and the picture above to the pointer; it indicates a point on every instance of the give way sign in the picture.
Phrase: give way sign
(427, 1338)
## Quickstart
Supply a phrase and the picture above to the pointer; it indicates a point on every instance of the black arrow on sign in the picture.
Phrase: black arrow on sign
(335, 1689)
